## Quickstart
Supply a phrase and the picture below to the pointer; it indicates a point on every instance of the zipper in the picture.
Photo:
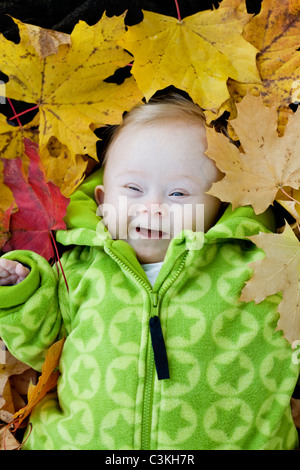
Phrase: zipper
(149, 381)
(155, 301)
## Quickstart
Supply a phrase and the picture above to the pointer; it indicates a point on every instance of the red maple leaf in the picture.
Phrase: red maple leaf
(41, 205)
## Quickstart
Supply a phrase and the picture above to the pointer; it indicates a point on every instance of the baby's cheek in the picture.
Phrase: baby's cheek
(115, 220)
(191, 217)
(211, 211)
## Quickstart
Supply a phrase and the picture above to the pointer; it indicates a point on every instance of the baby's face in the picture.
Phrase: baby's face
(154, 186)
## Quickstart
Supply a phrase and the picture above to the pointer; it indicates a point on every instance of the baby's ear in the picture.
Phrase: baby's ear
(99, 194)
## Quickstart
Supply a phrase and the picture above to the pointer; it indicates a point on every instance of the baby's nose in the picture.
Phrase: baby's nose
(156, 209)
(153, 209)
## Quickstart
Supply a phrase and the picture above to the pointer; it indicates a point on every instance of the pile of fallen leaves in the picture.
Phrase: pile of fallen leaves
(21, 389)
(230, 61)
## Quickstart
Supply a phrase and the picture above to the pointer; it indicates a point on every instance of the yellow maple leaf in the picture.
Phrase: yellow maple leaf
(66, 171)
(196, 55)
(278, 272)
(45, 41)
(61, 168)
(266, 163)
(69, 86)
(11, 137)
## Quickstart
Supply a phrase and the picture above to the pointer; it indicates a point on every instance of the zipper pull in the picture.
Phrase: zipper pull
(158, 344)
(155, 299)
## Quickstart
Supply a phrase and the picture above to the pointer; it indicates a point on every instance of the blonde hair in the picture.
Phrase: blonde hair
(173, 107)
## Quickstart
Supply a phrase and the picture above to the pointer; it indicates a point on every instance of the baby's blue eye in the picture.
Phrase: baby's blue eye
(133, 187)
(177, 193)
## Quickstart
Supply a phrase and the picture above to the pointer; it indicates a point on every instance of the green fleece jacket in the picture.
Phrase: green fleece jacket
(231, 375)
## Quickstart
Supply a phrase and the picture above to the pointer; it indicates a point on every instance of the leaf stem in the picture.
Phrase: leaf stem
(58, 259)
(29, 425)
(178, 11)
(14, 111)
(289, 196)
(16, 116)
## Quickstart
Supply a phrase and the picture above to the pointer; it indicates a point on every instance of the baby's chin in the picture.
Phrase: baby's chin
(149, 250)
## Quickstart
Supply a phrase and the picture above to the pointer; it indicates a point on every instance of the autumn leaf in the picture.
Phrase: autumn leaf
(291, 202)
(11, 137)
(45, 41)
(9, 366)
(265, 164)
(66, 171)
(68, 87)
(15, 377)
(275, 32)
(61, 168)
(278, 272)
(4, 225)
(7, 207)
(190, 55)
(295, 408)
(41, 206)
(7, 440)
(47, 381)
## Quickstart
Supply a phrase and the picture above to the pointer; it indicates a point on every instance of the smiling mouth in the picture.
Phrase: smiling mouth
(153, 234)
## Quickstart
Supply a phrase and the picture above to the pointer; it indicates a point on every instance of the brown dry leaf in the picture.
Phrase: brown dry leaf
(19, 385)
(5, 416)
(278, 272)
(295, 406)
(275, 32)
(9, 366)
(291, 203)
(266, 162)
(7, 439)
(47, 381)
(238, 91)
(45, 41)
(7, 399)
(15, 378)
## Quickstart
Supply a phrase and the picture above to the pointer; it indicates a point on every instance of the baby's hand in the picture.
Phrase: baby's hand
(12, 272)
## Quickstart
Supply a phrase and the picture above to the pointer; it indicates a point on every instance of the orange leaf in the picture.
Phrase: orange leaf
(46, 382)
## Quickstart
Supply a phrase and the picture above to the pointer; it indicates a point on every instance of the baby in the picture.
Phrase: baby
(156, 162)
(159, 352)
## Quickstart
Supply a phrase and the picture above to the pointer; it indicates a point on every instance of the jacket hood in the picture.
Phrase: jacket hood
(84, 226)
